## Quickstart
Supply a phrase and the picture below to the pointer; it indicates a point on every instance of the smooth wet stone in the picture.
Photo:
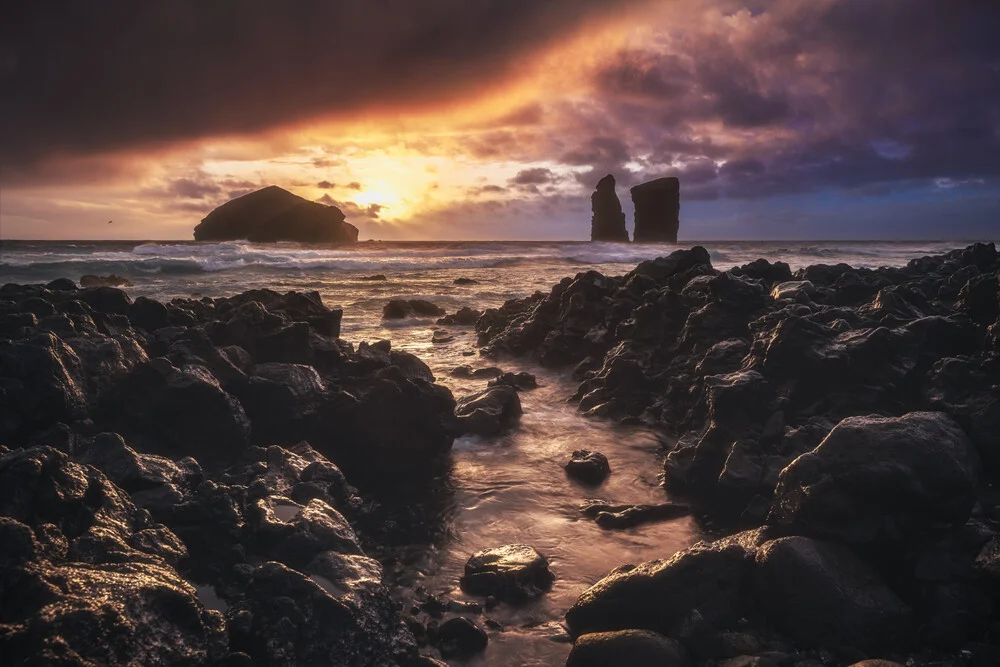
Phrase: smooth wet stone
(519, 381)
(512, 572)
(627, 648)
(660, 595)
(588, 467)
(880, 479)
(463, 317)
(612, 516)
(460, 637)
(489, 412)
(821, 595)
(401, 308)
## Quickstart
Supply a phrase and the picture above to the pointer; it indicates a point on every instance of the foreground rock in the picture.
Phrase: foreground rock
(256, 368)
(608, 223)
(513, 572)
(627, 648)
(876, 479)
(460, 637)
(657, 210)
(274, 214)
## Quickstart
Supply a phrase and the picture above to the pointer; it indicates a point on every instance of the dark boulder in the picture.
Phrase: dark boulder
(148, 314)
(460, 637)
(512, 572)
(464, 317)
(821, 595)
(274, 214)
(661, 595)
(465, 281)
(614, 516)
(588, 467)
(608, 222)
(204, 420)
(627, 648)
(878, 479)
(61, 285)
(489, 412)
(518, 381)
(657, 210)
(401, 308)
(41, 382)
(107, 300)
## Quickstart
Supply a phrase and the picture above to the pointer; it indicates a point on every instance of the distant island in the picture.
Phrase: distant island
(657, 211)
(274, 214)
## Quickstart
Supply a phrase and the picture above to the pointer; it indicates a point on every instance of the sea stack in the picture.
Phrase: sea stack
(608, 223)
(274, 214)
(657, 210)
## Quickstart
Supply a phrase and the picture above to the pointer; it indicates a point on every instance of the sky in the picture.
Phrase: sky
(494, 119)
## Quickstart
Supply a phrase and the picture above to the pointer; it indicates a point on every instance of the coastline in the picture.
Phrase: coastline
(746, 369)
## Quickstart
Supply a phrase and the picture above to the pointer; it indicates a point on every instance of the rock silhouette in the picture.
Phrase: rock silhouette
(274, 214)
(608, 223)
(657, 210)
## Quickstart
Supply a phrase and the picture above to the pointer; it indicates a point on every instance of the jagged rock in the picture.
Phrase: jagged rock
(657, 210)
(204, 420)
(512, 572)
(608, 223)
(627, 648)
(274, 214)
(489, 412)
(588, 467)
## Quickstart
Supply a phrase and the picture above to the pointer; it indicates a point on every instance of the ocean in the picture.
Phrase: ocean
(503, 490)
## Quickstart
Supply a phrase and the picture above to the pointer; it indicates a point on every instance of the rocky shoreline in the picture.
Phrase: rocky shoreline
(845, 419)
(155, 456)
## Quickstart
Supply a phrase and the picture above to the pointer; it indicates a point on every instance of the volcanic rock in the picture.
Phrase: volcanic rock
(489, 412)
(657, 210)
(627, 648)
(512, 572)
(274, 214)
(588, 467)
(608, 222)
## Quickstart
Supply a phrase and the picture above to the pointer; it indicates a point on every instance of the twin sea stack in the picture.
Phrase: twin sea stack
(657, 211)
(274, 214)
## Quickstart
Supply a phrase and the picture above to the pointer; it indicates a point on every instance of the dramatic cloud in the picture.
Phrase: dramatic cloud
(88, 77)
(496, 118)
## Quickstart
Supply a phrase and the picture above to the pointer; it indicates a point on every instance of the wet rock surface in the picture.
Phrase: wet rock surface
(513, 572)
(152, 452)
(849, 414)
(588, 467)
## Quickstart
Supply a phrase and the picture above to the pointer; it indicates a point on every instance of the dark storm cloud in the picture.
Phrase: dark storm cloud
(80, 78)
(807, 96)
